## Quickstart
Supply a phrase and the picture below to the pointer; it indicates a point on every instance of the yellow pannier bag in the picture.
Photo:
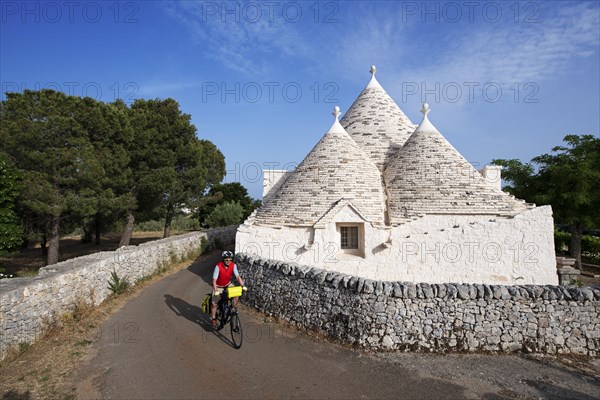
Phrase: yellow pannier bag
(206, 304)
(234, 291)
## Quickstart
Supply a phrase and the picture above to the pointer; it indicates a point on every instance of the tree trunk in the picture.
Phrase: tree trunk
(575, 246)
(168, 220)
(87, 234)
(98, 229)
(44, 246)
(128, 231)
(53, 241)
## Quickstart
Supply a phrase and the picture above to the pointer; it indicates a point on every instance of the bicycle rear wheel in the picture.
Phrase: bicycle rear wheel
(237, 334)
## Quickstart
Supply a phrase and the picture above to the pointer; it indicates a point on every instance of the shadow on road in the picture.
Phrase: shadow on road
(190, 312)
(194, 314)
(204, 266)
(551, 391)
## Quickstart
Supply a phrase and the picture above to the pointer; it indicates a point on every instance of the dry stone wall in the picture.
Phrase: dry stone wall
(28, 305)
(382, 315)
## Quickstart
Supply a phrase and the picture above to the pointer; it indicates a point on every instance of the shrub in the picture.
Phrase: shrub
(150, 226)
(205, 246)
(562, 240)
(183, 223)
(116, 284)
(225, 214)
(590, 245)
(576, 283)
(180, 223)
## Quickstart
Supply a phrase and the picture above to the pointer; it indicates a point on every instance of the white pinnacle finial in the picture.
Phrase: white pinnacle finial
(336, 113)
(336, 127)
(425, 125)
(373, 82)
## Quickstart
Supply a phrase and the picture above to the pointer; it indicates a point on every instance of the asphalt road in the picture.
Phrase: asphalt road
(161, 346)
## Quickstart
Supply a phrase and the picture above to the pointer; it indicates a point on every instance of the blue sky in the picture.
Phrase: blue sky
(260, 79)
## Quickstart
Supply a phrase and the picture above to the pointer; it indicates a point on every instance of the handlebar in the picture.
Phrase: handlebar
(222, 292)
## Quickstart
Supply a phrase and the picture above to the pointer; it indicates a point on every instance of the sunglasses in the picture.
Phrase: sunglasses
(227, 259)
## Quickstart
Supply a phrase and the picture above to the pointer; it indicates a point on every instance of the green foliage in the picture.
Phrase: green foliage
(172, 166)
(11, 231)
(150, 226)
(571, 177)
(520, 179)
(225, 214)
(222, 193)
(568, 179)
(181, 223)
(561, 241)
(576, 282)
(185, 223)
(111, 135)
(205, 246)
(590, 245)
(43, 131)
(88, 164)
(24, 346)
(116, 284)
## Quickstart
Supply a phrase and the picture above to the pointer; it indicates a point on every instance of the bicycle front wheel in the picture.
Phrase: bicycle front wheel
(237, 334)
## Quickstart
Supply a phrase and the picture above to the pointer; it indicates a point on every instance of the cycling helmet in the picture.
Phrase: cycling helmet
(227, 254)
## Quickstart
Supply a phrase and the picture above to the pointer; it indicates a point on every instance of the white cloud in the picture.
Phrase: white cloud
(235, 35)
(508, 52)
(407, 50)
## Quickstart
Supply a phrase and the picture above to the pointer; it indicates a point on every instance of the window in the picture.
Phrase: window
(349, 237)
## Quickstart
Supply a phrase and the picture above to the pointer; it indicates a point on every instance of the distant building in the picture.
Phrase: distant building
(380, 199)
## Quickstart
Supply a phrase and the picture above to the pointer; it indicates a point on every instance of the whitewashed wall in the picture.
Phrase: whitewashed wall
(432, 249)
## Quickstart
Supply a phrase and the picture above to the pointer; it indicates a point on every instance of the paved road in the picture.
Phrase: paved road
(161, 346)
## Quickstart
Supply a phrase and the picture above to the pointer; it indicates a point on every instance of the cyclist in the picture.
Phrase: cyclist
(222, 277)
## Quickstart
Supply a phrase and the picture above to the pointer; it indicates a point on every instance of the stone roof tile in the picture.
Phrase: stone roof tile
(376, 123)
(429, 176)
(336, 168)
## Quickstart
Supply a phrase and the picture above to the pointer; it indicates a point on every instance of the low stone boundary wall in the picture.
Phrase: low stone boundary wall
(28, 305)
(425, 317)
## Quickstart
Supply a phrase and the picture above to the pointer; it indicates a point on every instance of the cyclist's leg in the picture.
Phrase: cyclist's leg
(213, 309)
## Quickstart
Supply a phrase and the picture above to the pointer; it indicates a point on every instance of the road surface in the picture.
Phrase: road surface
(161, 346)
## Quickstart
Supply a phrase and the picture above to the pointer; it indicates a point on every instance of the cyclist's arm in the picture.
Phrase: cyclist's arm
(214, 279)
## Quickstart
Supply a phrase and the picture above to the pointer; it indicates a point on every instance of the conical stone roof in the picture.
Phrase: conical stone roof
(376, 123)
(429, 176)
(336, 168)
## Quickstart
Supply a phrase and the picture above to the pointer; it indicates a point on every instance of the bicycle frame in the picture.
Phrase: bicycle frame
(226, 316)
(224, 307)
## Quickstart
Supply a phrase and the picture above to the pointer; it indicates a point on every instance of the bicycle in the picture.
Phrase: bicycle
(227, 314)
